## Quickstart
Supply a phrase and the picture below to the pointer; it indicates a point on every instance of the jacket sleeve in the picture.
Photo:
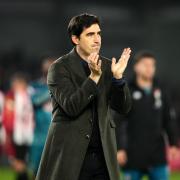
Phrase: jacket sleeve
(170, 121)
(71, 99)
(121, 130)
(120, 98)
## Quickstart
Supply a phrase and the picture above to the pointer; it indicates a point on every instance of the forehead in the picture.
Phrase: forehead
(92, 28)
(146, 60)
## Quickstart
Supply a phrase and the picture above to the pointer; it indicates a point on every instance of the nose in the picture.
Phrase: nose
(97, 38)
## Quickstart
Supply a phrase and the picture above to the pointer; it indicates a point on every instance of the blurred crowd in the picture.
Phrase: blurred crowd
(25, 115)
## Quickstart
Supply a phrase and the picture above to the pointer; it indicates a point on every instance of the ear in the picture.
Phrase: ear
(75, 39)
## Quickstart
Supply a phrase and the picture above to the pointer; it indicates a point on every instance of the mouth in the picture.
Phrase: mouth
(96, 46)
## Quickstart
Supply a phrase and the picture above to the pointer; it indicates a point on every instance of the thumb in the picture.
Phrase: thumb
(99, 63)
(113, 61)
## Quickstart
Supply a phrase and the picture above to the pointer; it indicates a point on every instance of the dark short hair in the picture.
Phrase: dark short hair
(143, 54)
(78, 23)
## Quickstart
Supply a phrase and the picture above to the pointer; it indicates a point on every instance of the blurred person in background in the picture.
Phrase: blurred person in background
(42, 111)
(18, 122)
(141, 134)
(1, 104)
(2, 133)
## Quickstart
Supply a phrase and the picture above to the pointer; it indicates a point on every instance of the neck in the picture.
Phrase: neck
(144, 83)
(82, 54)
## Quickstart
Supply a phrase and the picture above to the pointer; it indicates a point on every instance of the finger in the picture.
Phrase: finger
(129, 51)
(113, 61)
(126, 59)
(126, 54)
(91, 57)
(91, 67)
(93, 54)
(126, 51)
(123, 61)
(99, 64)
(96, 58)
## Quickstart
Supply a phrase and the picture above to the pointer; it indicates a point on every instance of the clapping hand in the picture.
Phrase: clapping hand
(119, 67)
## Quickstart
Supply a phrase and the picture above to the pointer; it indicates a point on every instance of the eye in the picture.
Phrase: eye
(90, 34)
(99, 33)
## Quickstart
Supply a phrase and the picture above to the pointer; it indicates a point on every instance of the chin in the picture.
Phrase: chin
(96, 50)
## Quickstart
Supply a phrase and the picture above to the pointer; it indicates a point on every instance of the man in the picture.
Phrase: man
(140, 135)
(81, 141)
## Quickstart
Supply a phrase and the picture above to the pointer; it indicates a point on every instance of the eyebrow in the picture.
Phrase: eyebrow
(91, 33)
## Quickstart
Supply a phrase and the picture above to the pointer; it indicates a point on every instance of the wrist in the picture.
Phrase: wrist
(117, 76)
(95, 78)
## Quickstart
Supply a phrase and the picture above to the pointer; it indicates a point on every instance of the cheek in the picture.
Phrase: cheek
(100, 40)
(83, 45)
(151, 70)
(86, 43)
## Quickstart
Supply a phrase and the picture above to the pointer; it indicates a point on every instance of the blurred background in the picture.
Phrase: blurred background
(34, 29)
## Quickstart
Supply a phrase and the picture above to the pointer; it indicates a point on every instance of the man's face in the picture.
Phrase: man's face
(19, 85)
(146, 68)
(89, 40)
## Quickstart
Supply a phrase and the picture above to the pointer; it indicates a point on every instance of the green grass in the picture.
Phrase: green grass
(175, 176)
(6, 174)
(9, 174)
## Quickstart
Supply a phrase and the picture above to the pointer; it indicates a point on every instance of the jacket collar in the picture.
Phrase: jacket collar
(75, 64)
